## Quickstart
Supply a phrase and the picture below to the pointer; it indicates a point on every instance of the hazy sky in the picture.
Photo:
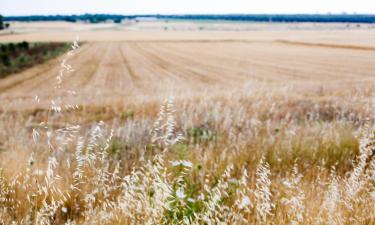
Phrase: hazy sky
(30, 7)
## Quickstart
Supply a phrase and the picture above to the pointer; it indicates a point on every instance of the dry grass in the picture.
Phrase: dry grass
(288, 151)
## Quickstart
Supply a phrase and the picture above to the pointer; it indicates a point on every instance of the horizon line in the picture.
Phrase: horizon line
(187, 14)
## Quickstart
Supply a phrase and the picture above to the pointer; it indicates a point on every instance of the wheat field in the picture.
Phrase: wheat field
(191, 127)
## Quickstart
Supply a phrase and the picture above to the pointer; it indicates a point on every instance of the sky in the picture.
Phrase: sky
(128, 7)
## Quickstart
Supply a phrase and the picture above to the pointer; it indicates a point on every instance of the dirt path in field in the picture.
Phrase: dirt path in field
(115, 71)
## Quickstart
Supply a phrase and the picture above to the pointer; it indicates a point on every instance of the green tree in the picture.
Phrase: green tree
(11, 47)
(5, 59)
(23, 45)
(1, 22)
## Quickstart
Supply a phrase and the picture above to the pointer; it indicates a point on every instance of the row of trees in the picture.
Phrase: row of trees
(96, 18)
(322, 18)
(92, 18)
(14, 57)
(7, 51)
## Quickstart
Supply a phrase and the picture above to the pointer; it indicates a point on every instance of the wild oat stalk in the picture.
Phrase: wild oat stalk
(263, 193)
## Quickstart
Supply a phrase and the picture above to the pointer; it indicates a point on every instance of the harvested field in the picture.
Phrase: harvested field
(111, 71)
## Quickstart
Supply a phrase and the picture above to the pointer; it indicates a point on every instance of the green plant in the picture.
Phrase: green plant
(126, 115)
(201, 135)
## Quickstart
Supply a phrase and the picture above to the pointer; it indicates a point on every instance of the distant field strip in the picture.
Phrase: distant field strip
(123, 69)
(355, 47)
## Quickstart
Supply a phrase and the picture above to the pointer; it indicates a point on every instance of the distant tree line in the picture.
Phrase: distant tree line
(324, 18)
(92, 18)
(97, 18)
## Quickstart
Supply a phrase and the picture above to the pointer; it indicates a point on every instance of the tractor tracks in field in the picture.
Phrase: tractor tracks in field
(130, 70)
(172, 67)
(107, 70)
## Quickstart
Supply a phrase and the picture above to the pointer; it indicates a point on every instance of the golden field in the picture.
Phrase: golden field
(191, 123)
